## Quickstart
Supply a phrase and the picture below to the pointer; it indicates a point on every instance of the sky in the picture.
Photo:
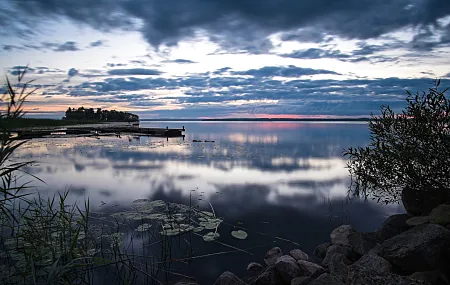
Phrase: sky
(225, 58)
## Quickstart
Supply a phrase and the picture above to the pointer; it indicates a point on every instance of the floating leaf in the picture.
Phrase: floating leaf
(239, 234)
(211, 236)
(143, 228)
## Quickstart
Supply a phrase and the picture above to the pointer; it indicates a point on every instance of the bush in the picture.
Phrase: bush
(407, 149)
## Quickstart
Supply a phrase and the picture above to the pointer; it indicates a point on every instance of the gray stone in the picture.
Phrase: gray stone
(228, 278)
(287, 268)
(268, 277)
(373, 261)
(421, 201)
(361, 243)
(321, 250)
(326, 279)
(338, 266)
(440, 215)
(421, 248)
(302, 280)
(310, 269)
(186, 283)
(254, 267)
(339, 236)
(358, 275)
(272, 255)
(420, 220)
(392, 226)
(433, 276)
(338, 249)
(297, 254)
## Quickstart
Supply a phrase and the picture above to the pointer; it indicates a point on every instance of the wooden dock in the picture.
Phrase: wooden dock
(96, 131)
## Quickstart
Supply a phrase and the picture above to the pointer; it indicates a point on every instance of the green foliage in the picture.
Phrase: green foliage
(82, 113)
(407, 149)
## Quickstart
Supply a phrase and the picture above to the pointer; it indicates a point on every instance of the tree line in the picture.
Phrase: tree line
(98, 114)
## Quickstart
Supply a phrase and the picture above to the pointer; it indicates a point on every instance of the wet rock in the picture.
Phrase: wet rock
(361, 243)
(421, 201)
(338, 266)
(415, 221)
(272, 255)
(433, 276)
(254, 267)
(228, 278)
(358, 275)
(297, 254)
(310, 269)
(392, 226)
(440, 215)
(287, 268)
(339, 236)
(302, 280)
(268, 277)
(421, 248)
(321, 250)
(338, 249)
(326, 279)
(373, 261)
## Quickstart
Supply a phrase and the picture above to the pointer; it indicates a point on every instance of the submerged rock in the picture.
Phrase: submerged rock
(392, 226)
(254, 267)
(421, 248)
(297, 254)
(440, 215)
(339, 236)
(272, 255)
(287, 268)
(228, 278)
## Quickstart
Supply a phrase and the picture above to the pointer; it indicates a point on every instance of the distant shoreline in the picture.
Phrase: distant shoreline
(261, 120)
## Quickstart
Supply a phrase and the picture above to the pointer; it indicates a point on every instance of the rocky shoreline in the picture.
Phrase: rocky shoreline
(405, 250)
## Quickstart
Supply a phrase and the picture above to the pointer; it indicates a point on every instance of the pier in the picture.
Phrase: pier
(97, 131)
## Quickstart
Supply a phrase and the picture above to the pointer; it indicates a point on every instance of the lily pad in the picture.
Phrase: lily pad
(239, 234)
(143, 228)
(211, 236)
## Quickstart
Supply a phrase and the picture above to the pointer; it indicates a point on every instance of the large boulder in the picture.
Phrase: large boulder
(287, 268)
(421, 248)
(433, 276)
(310, 269)
(440, 215)
(272, 255)
(254, 267)
(374, 262)
(321, 250)
(228, 278)
(419, 220)
(392, 226)
(302, 280)
(326, 279)
(358, 275)
(339, 236)
(420, 201)
(361, 243)
(297, 254)
(268, 277)
(338, 266)
(338, 250)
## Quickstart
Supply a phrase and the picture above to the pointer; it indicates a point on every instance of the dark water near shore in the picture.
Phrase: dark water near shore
(282, 179)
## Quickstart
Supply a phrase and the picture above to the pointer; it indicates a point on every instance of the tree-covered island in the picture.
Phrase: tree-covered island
(82, 113)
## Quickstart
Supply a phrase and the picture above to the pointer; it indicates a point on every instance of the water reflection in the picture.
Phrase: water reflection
(272, 177)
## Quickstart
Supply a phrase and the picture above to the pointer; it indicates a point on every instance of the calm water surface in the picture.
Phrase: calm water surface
(282, 179)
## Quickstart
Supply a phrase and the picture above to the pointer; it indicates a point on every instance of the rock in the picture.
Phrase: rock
(302, 280)
(186, 283)
(254, 267)
(361, 243)
(287, 268)
(392, 226)
(268, 277)
(228, 278)
(321, 250)
(415, 221)
(358, 275)
(338, 249)
(421, 201)
(338, 266)
(373, 261)
(433, 276)
(421, 248)
(272, 255)
(339, 236)
(326, 279)
(310, 269)
(440, 215)
(297, 254)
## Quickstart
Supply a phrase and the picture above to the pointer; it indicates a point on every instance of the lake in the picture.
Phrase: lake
(285, 183)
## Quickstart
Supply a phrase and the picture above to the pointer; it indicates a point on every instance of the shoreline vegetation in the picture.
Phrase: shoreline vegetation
(98, 114)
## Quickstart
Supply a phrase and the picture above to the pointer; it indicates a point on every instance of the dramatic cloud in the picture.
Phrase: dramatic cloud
(180, 60)
(288, 71)
(97, 43)
(244, 24)
(72, 72)
(134, 71)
